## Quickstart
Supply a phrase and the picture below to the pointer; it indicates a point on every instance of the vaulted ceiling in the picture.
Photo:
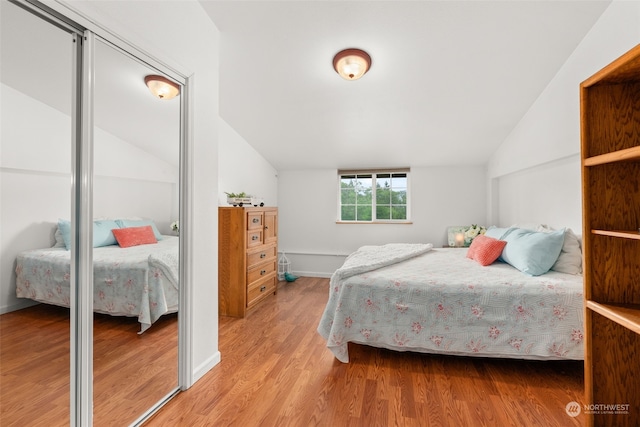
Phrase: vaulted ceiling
(449, 79)
(37, 61)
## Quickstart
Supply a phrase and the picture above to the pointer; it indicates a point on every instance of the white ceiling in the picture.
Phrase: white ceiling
(449, 79)
(37, 61)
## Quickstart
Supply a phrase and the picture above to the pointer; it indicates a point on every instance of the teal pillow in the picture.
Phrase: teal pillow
(65, 229)
(532, 252)
(497, 233)
(102, 235)
(126, 223)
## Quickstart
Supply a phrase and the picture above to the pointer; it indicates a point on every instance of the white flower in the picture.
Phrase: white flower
(473, 231)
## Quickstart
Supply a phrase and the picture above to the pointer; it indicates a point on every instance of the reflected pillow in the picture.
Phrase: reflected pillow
(134, 236)
(65, 230)
(124, 223)
(59, 239)
(102, 235)
(485, 250)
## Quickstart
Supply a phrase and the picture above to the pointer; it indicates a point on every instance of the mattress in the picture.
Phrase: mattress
(442, 302)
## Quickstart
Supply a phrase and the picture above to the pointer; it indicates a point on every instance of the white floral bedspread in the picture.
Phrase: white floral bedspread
(443, 302)
(139, 281)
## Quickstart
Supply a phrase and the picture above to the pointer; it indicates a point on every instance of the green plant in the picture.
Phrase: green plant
(237, 195)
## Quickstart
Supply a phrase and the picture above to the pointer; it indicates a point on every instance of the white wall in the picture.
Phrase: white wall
(534, 176)
(544, 194)
(316, 245)
(181, 34)
(242, 169)
(36, 182)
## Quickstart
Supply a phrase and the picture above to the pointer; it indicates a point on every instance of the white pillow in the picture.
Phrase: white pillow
(570, 259)
(59, 239)
(533, 226)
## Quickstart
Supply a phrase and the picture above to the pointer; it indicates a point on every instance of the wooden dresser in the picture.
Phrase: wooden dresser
(247, 257)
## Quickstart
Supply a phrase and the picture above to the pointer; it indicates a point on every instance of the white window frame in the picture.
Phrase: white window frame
(374, 173)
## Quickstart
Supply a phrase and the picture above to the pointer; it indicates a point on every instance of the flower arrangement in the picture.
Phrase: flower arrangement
(472, 232)
(175, 226)
(462, 236)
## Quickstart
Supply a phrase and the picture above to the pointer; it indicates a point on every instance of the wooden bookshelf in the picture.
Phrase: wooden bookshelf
(618, 233)
(610, 159)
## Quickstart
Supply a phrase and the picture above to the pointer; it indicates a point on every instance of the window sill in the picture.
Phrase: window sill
(374, 222)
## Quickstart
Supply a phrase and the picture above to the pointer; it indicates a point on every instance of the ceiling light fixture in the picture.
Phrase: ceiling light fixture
(352, 64)
(161, 87)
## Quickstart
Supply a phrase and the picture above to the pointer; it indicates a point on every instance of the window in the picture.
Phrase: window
(374, 195)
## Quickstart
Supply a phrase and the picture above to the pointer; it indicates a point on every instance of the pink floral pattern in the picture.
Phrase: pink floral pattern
(442, 302)
(124, 282)
(494, 332)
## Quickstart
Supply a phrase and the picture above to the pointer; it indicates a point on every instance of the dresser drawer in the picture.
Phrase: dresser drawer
(260, 289)
(260, 271)
(254, 238)
(247, 258)
(255, 257)
(254, 220)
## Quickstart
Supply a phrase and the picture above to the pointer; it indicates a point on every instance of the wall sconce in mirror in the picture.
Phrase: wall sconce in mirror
(161, 87)
(352, 64)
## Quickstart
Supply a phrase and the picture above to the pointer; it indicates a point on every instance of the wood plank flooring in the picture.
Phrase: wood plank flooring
(276, 371)
(131, 371)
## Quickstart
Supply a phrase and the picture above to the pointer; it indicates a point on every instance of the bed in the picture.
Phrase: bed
(436, 300)
(138, 281)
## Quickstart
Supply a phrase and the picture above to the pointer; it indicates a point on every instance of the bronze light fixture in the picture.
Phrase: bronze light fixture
(352, 64)
(161, 87)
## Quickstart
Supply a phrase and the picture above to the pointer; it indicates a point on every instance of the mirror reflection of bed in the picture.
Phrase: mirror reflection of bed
(136, 174)
(135, 180)
(135, 270)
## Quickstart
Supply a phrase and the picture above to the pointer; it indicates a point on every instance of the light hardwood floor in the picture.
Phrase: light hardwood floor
(276, 371)
(131, 371)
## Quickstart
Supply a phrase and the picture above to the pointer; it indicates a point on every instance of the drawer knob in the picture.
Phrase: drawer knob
(262, 272)
(263, 288)
(255, 220)
(254, 237)
(262, 255)
(266, 227)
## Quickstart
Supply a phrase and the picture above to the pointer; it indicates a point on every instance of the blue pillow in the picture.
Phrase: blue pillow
(497, 233)
(65, 229)
(102, 235)
(532, 252)
(126, 223)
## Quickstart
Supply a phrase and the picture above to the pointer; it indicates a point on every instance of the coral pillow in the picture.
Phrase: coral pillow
(485, 250)
(134, 236)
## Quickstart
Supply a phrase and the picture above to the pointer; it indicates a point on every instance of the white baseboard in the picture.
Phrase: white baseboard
(312, 274)
(206, 366)
(18, 306)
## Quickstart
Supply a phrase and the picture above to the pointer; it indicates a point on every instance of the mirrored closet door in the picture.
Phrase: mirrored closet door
(77, 164)
(135, 192)
(35, 176)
